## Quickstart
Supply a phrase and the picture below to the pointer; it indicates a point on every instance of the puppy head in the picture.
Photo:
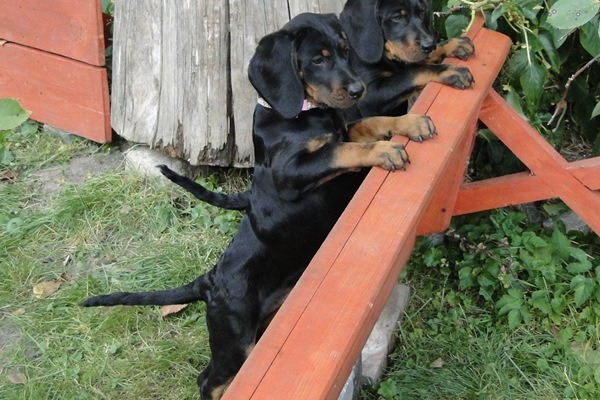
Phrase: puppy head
(400, 30)
(306, 59)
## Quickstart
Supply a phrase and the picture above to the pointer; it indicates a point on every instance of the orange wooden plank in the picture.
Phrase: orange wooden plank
(439, 211)
(545, 162)
(313, 341)
(64, 93)
(500, 192)
(70, 28)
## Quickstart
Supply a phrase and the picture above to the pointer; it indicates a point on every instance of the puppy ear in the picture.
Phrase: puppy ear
(360, 21)
(274, 74)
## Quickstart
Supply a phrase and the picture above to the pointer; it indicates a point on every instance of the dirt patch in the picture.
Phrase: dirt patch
(79, 169)
(9, 334)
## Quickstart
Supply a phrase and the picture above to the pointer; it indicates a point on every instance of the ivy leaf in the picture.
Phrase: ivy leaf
(569, 14)
(532, 82)
(11, 114)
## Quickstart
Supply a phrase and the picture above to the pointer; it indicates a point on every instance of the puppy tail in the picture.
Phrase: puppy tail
(233, 201)
(193, 291)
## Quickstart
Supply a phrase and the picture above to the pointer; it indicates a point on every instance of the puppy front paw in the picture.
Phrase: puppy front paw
(461, 48)
(457, 77)
(415, 127)
(391, 156)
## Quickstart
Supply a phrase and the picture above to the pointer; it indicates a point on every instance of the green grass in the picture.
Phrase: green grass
(116, 231)
(119, 231)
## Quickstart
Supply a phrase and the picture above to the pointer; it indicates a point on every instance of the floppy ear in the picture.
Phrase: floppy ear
(274, 74)
(360, 21)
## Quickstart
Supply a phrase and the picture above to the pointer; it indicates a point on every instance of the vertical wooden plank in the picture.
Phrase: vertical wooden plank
(439, 211)
(136, 81)
(316, 6)
(170, 81)
(249, 21)
(69, 28)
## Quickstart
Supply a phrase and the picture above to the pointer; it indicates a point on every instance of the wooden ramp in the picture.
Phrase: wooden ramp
(52, 62)
(314, 340)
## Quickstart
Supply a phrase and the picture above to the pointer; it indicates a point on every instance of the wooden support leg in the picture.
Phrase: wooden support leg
(543, 161)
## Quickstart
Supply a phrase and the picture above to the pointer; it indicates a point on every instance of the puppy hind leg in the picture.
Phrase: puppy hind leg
(232, 335)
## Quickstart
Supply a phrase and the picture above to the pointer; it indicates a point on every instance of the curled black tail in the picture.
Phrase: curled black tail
(185, 294)
(233, 201)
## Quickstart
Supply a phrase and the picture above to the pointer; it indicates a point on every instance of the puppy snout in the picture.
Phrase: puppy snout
(355, 90)
(427, 47)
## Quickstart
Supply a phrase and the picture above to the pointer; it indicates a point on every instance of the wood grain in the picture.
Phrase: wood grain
(67, 94)
(170, 78)
(69, 28)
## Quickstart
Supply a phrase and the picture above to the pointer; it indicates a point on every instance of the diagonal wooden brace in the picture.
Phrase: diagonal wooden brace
(544, 162)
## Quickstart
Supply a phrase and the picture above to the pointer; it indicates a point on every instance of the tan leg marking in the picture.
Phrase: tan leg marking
(415, 127)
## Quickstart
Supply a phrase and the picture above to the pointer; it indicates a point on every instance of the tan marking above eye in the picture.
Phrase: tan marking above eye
(404, 13)
(326, 53)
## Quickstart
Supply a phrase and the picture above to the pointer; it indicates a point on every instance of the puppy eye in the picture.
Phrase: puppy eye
(318, 60)
(399, 16)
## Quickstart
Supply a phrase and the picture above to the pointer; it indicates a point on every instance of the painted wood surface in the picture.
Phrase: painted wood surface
(180, 85)
(541, 159)
(69, 28)
(67, 94)
(500, 192)
(312, 343)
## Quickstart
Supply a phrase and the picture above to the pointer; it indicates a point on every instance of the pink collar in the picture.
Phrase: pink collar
(306, 105)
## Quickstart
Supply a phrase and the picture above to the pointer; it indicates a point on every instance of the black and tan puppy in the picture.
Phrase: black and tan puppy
(397, 54)
(304, 78)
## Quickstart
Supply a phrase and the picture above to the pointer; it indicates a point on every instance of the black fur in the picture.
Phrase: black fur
(392, 79)
(299, 189)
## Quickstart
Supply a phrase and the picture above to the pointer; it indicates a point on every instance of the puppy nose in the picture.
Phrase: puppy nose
(428, 47)
(356, 90)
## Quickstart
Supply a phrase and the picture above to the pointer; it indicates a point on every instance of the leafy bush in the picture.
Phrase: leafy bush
(551, 77)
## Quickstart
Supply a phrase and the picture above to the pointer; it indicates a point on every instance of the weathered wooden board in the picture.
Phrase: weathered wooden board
(170, 84)
(62, 92)
(180, 84)
(70, 28)
(250, 20)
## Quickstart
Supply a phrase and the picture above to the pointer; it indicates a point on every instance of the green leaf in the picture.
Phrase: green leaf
(514, 318)
(583, 288)
(532, 82)
(539, 300)
(590, 38)
(11, 114)
(578, 268)
(570, 14)
(560, 243)
(545, 39)
(455, 24)
(596, 111)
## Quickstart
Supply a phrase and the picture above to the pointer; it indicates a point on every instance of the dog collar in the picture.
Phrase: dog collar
(306, 105)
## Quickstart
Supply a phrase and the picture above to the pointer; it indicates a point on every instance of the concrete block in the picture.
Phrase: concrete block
(351, 390)
(143, 160)
(381, 340)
